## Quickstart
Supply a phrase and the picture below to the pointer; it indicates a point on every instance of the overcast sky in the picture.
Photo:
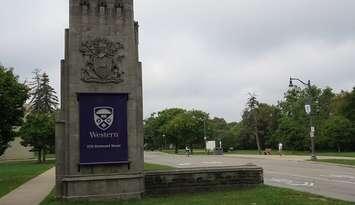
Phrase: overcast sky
(204, 54)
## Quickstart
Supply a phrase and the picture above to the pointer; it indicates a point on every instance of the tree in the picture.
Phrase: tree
(294, 123)
(186, 128)
(252, 113)
(156, 134)
(217, 128)
(13, 95)
(38, 131)
(175, 126)
(267, 117)
(43, 96)
(259, 121)
(349, 107)
(338, 133)
(292, 134)
(245, 138)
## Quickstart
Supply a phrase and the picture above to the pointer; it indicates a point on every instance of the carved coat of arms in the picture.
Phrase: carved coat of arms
(102, 61)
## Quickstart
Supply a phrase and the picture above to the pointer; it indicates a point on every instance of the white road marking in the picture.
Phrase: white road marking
(211, 162)
(291, 182)
(184, 164)
(314, 178)
(339, 176)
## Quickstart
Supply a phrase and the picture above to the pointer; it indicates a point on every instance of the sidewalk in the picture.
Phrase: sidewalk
(32, 192)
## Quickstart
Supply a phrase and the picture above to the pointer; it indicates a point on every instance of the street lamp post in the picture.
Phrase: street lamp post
(164, 142)
(308, 110)
(204, 133)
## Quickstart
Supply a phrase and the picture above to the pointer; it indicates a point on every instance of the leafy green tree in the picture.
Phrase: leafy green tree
(156, 134)
(186, 128)
(178, 130)
(349, 107)
(292, 134)
(338, 103)
(175, 126)
(324, 105)
(267, 117)
(217, 128)
(13, 95)
(294, 123)
(151, 129)
(38, 131)
(230, 136)
(245, 137)
(338, 133)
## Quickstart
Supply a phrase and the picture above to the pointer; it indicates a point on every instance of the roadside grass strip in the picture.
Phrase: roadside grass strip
(338, 161)
(274, 152)
(14, 174)
(260, 195)
(156, 167)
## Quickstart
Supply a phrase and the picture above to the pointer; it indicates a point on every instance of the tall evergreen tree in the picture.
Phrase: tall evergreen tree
(252, 115)
(44, 99)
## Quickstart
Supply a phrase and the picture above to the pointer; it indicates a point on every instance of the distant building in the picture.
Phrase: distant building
(17, 152)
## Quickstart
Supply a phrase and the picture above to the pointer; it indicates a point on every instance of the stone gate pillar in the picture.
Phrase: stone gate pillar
(99, 130)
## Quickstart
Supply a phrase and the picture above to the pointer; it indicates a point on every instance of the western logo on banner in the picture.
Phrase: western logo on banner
(103, 128)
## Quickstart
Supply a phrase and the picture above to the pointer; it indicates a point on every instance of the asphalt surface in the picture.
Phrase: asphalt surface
(291, 172)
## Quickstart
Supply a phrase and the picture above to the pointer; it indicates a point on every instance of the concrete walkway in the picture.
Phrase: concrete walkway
(32, 192)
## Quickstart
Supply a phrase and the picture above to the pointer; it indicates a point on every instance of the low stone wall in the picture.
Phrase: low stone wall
(202, 179)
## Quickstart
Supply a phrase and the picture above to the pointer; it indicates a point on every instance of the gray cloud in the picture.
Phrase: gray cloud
(204, 54)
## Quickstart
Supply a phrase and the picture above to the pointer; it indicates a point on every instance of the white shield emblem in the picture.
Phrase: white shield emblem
(103, 117)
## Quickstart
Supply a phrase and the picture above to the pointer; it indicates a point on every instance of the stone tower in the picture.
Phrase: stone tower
(99, 130)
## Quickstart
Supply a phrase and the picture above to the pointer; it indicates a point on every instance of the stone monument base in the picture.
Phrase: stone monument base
(115, 186)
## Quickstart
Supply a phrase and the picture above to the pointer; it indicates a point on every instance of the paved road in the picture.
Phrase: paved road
(290, 172)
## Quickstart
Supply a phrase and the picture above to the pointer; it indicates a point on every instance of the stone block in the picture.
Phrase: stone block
(202, 179)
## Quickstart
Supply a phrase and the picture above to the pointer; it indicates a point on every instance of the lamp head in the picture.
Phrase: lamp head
(291, 83)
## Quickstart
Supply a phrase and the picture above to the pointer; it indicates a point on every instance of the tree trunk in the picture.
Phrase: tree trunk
(257, 134)
(44, 156)
(338, 146)
(176, 148)
(258, 141)
(39, 155)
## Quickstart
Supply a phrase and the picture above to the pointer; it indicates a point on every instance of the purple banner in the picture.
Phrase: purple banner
(103, 128)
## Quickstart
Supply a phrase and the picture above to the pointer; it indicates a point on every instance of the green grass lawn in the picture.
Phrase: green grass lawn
(261, 195)
(155, 167)
(338, 161)
(13, 174)
(337, 154)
